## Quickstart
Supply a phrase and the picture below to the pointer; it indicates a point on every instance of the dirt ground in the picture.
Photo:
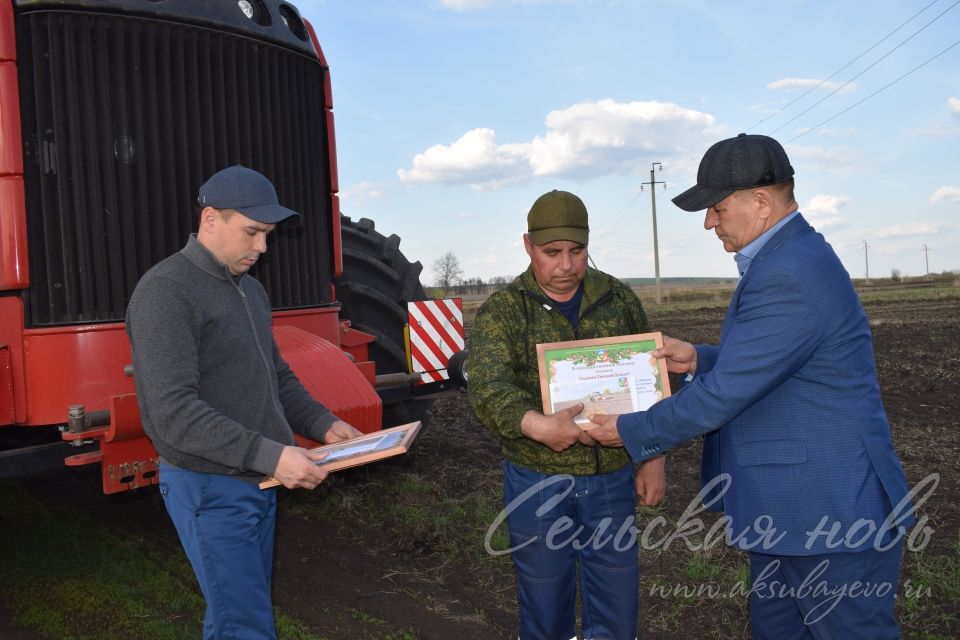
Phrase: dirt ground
(327, 567)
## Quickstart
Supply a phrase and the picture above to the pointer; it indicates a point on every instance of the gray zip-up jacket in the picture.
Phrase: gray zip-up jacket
(215, 396)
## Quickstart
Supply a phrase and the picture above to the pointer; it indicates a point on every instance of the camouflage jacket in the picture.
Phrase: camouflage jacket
(502, 368)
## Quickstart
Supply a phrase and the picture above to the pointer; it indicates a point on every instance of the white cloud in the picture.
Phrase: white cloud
(796, 84)
(475, 158)
(595, 138)
(360, 193)
(945, 193)
(823, 210)
(942, 126)
(834, 158)
(583, 140)
(936, 130)
(484, 260)
(894, 248)
(464, 215)
(908, 229)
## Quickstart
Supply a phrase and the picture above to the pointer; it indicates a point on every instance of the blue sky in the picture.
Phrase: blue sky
(453, 116)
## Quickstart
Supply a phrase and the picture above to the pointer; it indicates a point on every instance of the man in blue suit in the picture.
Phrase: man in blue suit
(797, 449)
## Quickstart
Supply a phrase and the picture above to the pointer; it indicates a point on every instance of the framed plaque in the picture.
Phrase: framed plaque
(608, 375)
(361, 450)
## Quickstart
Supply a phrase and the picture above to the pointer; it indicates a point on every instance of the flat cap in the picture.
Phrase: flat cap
(743, 162)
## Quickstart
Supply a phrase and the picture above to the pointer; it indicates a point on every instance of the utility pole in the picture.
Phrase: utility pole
(653, 207)
(926, 257)
(866, 260)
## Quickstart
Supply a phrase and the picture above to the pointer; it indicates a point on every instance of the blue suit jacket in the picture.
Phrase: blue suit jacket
(790, 405)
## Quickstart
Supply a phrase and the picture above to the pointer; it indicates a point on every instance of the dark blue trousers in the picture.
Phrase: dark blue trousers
(834, 596)
(560, 522)
(226, 528)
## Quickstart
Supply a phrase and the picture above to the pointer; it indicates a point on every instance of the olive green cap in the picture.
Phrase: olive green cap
(558, 215)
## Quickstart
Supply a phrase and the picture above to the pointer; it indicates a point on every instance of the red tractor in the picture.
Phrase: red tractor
(112, 113)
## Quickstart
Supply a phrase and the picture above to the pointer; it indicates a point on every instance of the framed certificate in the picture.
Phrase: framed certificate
(361, 450)
(608, 375)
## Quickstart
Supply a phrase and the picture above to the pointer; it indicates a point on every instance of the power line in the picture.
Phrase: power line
(688, 179)
(870, 66)
(619, 218)
(819, 84)
(889, 84)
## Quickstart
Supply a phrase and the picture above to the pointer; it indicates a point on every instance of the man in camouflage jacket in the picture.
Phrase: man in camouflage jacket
(566, 497)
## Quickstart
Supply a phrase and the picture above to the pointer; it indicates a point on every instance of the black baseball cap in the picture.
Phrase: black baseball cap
(246, 191)
(744, 162)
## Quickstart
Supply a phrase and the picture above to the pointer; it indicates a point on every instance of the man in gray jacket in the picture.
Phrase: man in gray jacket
(220, 404)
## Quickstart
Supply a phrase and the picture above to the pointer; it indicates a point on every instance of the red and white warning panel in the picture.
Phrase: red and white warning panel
(436, 333)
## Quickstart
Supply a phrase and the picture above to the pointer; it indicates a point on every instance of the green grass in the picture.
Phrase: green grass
(409, 504)
(693, 583)
(67, 576)
(941, 291)
(930, 604)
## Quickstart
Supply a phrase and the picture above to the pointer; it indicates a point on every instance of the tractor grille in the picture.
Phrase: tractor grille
(123, 118)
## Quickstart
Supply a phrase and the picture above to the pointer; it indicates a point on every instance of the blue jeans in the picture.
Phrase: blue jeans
(226, 528)
(562, 521)
(825, 597)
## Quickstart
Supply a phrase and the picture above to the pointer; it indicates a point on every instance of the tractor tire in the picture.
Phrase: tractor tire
(376, 284)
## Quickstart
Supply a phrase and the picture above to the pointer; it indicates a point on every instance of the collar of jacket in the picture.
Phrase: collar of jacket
(595, 287)
(793, 228)
(204, 260)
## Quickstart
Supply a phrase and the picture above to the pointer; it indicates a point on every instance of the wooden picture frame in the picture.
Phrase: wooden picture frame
(608, 375)
(364, 449)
